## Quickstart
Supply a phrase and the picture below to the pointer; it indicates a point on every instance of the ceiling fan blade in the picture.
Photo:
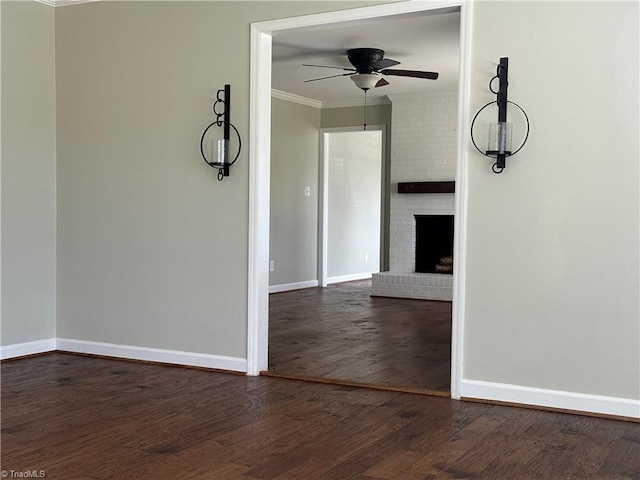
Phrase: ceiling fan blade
(329, 66)
(411, 73)
(385, 63)
(330, 76)
(382, 82)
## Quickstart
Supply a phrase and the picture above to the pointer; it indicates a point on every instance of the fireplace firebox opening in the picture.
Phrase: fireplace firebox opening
(434, 244)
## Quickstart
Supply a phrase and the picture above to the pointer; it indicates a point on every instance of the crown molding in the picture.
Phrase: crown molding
(63, 3)
(354, 102)
(410, 95)
(358, 102)
(291, 97)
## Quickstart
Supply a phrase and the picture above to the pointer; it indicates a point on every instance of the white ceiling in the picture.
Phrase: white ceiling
(424, 41)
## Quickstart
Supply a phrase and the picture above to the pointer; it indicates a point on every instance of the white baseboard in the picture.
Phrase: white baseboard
(27, 348)
(582, 402)
(286, 287)
(153, 354)
(349, 278)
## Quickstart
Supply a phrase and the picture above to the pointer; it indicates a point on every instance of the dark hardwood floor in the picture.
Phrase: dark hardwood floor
(84, 418)
(340, 332)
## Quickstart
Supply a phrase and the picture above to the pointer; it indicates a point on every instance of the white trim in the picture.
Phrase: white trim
(340, 16)
(431, 93)
(259, 200)
(311, 102)
(153, 354)
(323, 198)
(323, 208)
(356, 128)
(357, 102)
(27, 348)
(287, 287)
(350, 278)
(461, 204)
(259, 159)
(64, 3)
(292, 97)
(541, 397)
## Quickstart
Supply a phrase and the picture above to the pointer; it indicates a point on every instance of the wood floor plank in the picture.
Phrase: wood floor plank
(340, 332)
(397, 465)
(97, 419)
(308, 468)
(622, 461)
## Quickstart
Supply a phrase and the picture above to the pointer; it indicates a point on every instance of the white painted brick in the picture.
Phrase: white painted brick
(423, 148)
(403, 286)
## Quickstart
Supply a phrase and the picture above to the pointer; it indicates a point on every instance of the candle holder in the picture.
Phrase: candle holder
(218, 148)
(499, 142)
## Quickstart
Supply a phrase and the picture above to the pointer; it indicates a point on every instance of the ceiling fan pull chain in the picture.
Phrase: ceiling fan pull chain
(365, 110)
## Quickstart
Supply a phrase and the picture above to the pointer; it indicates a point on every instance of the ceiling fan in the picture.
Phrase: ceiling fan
(369, 66)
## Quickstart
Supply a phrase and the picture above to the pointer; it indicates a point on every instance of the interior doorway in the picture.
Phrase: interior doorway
(257, 335)
(351, 177)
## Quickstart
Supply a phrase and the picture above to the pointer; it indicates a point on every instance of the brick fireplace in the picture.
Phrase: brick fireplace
(423, 149)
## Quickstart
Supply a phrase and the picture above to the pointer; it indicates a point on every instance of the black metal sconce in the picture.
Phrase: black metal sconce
(499, 145)
(219, 147)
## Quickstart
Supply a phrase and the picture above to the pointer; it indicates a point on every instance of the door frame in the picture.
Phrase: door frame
(323, 191)
(259, 170)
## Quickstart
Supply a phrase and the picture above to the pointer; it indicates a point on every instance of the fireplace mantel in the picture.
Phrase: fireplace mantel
(426, 187)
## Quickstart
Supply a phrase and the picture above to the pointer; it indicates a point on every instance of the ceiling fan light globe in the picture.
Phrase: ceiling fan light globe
(365, 81)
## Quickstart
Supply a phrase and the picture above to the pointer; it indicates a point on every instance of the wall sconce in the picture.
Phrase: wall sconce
(218, 148)
(499, 142)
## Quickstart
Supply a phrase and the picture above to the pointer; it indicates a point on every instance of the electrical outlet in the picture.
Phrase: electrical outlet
(272, 265)
(366, 256)
(307, 191)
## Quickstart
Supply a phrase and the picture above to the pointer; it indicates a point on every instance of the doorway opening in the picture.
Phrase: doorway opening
(257, 338)
(350, 219)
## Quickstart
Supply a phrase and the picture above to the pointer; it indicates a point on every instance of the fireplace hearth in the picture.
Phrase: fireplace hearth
(434, 244)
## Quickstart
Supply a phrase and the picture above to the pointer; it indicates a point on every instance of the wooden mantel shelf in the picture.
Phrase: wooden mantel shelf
(426, 187)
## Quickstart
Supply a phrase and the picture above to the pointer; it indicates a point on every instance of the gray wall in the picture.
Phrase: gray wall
(152, 249)
(28, 173)
(552, 262)
(294, 218)
(376, 115)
